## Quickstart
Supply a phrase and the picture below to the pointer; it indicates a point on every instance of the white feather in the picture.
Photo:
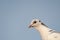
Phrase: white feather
(45, 32)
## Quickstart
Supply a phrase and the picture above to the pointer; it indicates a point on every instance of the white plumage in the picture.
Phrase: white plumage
(46, 33)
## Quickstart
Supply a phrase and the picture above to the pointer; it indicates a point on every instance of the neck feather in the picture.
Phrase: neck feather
(43, 30)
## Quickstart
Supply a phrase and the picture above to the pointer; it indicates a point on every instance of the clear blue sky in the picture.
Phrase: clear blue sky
(15, 16)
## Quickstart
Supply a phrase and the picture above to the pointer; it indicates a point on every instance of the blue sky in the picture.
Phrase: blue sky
(15, 16)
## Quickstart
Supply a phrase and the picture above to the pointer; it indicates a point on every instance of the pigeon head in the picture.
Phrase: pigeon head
(35, 23)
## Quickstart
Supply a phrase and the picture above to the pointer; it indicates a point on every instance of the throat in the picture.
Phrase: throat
(43, 30)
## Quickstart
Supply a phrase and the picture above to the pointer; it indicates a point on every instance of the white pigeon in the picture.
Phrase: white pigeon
(45, 31)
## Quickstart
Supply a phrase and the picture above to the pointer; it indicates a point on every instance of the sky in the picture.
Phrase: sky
(16, 15)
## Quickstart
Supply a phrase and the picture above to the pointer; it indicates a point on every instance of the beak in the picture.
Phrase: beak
(30, 26)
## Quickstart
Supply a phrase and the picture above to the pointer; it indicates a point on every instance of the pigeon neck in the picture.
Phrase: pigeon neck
(43, 30)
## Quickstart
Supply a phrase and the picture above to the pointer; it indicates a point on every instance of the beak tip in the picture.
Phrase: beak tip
(30, 26)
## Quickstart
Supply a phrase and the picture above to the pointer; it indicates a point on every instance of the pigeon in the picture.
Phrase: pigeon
(45, 32)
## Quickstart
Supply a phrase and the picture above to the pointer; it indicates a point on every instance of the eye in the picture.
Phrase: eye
(39, 21)
(34, 22)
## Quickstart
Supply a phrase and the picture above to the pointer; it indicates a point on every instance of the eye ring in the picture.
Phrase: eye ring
(34, 22)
